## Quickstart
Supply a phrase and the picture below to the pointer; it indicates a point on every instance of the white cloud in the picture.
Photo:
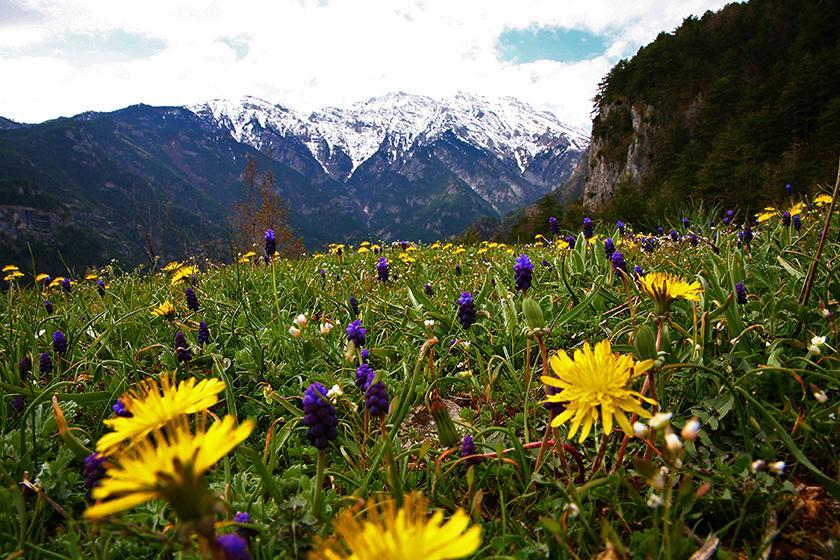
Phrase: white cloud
(309, 54)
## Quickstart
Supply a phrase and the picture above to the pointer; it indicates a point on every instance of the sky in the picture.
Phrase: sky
(62, 57)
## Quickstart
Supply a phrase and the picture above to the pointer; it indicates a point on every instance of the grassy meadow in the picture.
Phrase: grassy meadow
(706, 428)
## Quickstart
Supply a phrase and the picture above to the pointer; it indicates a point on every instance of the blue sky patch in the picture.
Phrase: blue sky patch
(549, 43)
(91, 48)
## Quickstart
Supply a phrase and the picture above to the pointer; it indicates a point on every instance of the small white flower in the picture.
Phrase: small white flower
(757, 465)
(826, 312)
(654, 501)
(335, 393)
(301, 320)
(326, 327)
(673, 442)
(777, 467)
(818, 340)
(429, 324)
(697, 347)
(640, 429)
(689, 431)
(294, 331)
(814, 349)
(820, 395)
(573, 509)
(660, 420)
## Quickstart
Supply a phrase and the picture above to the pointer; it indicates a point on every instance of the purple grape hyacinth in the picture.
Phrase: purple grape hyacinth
(376, 398)
(319, 416)
(382, 269)
(270, 243)
(617, 260)
(523, 271)
(553, 226)
(66, 285)
(587, 227)
(619, 225)
(182, 347)
(427, 289)
(466, 310)
(234, 546)
(609, 247)
(788, 189)
(48, 306)
(120, 410)
(94, 471)
(59, 342)
(354, 305)
(25, 367)
(203, 334)
(356, 333)
(741, 293)
(192, 299)
(100, 287)
(364, 373)
(797, 222)
(468, 448)
(46, 363)
(786, 218)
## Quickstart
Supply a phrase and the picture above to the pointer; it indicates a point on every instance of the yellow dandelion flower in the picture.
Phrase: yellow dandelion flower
(10, 268)
(13, 276)
(91, 276)
(458, 250)
(385, 532)
(664, 288)
(592, 380)
(797, 209)
(56, 282)
(183, 273)
(561, 244)
(363, 249)
(169, 469)
(156, 402)
(448, 246)
(483, 250)
(822, 200)
(364, 244)
(41, 277)
(592, 240)
(768, 214)
(174, 265)
(165, 310)
(434, 245)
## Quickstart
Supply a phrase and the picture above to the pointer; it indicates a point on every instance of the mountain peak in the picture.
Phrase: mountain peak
(399, 121)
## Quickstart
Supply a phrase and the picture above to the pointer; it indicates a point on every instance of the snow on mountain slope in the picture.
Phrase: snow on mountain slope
(504, 127)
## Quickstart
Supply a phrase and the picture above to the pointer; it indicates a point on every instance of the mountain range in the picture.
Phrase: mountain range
(161, 180)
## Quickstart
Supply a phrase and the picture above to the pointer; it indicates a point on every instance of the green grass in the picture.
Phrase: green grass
(744, 370)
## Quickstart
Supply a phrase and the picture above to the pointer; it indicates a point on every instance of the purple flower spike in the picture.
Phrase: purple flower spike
(587, 227)
(741, 293)
(356, 333)
(467, 449)
(618, 263)
(94, 471)
(192, 299)
(59, 342)
(182, 348)
(234, 547)
(466, 310)
(46, 363)
(120, 410)
(523, 271)
(364, 373)
(270, 243)
(319, 416)
(553, 226)
(382, 269)
(376, 398)
(203, 334)
(609, 247)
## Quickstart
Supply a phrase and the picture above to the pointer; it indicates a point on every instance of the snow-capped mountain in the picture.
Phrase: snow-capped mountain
(537, 151)
(393, 167)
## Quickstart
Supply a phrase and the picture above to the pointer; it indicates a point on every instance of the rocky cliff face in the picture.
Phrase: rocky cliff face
(621, 151)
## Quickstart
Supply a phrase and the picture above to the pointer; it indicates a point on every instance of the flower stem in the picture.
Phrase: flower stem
(318, 492)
